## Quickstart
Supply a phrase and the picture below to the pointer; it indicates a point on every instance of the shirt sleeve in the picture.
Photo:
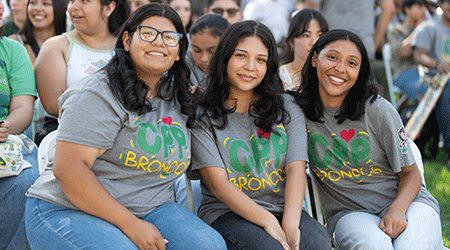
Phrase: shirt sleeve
(204, 151)
(20, 74)
(90, 116)
(423, 36)
(297, 149)
(393, 136)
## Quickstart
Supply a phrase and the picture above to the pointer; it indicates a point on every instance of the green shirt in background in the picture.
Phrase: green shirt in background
(16, 74)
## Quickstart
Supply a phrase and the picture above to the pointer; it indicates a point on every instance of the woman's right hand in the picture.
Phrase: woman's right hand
(274, 229)
(4, 128)
(145, 235)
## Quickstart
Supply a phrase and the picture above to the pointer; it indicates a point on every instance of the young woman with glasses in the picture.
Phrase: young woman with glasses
(111, 186)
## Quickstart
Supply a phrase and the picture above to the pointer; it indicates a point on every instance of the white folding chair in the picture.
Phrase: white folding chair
(393, 90)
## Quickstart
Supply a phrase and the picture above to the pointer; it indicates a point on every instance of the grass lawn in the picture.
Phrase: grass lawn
(437, 177)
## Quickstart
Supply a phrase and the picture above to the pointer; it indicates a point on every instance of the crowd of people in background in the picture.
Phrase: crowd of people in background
(238, 97)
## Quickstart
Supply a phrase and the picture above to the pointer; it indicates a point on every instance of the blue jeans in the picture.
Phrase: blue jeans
(242, 234)
(443, 116)
(409, 82)
(50, 226)
(12, 205)
(360, 230)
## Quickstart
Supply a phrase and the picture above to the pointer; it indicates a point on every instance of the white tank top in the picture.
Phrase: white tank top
(82, 61)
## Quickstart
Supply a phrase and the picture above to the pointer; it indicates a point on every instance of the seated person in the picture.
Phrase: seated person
(18, 93)
(250, 148)
(113, 173)
(400, 36)
(431, 49)
(368, 181)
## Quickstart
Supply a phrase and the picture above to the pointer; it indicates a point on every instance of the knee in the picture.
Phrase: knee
(371, 241)
(208, 240)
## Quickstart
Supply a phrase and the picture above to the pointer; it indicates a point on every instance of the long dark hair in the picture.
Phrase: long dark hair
(353, 106)
(123, 79)
(59, 21)
(268, 109)
(118, 16)
(298, 25)
(214, 24)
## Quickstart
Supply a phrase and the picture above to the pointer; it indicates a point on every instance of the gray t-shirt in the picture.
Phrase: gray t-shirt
(145, 153)
(354, 15)
(356, 163)
(255, 161)
(434, 36)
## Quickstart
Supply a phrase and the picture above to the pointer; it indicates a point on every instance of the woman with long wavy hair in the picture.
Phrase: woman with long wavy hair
(111, 185)
(250, 148)
(45, 19)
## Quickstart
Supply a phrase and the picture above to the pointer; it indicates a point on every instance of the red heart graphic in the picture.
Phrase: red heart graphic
(167, 120)
(347, 135)
(262, 134)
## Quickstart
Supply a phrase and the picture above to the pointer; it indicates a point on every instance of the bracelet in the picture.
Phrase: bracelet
(270, 223)
(398, 207)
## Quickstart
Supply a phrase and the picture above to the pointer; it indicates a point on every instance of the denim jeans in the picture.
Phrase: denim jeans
(50, 226)
(360, 230)
(443, 116)
(241, 234)
(409, 82)
(12, 205)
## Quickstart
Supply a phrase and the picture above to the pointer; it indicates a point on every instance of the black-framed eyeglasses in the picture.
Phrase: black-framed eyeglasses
(149, 34)
(231, 12)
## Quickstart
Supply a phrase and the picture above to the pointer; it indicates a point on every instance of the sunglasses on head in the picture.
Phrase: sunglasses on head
(231, 12)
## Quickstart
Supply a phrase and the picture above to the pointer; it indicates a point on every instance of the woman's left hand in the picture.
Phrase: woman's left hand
(393, 222)
(293, 237)
(4, 130)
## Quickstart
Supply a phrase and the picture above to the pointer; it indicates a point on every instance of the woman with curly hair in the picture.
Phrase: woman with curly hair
(250, 148)
(111, 185)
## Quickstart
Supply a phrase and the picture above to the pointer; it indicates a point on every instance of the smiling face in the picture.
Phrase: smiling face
(89, 16)
(302, 44)
(184, 10)
(151, 59)
(203, 45)
(40, 13)
(247, 66)
(338, 66)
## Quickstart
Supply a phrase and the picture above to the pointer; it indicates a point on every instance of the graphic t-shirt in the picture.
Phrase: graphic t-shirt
(434, 36)
(356, 163)
(145, 153)
(16, 74)
(255, 161)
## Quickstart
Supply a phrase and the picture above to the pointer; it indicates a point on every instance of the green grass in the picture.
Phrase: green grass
(437, 177)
